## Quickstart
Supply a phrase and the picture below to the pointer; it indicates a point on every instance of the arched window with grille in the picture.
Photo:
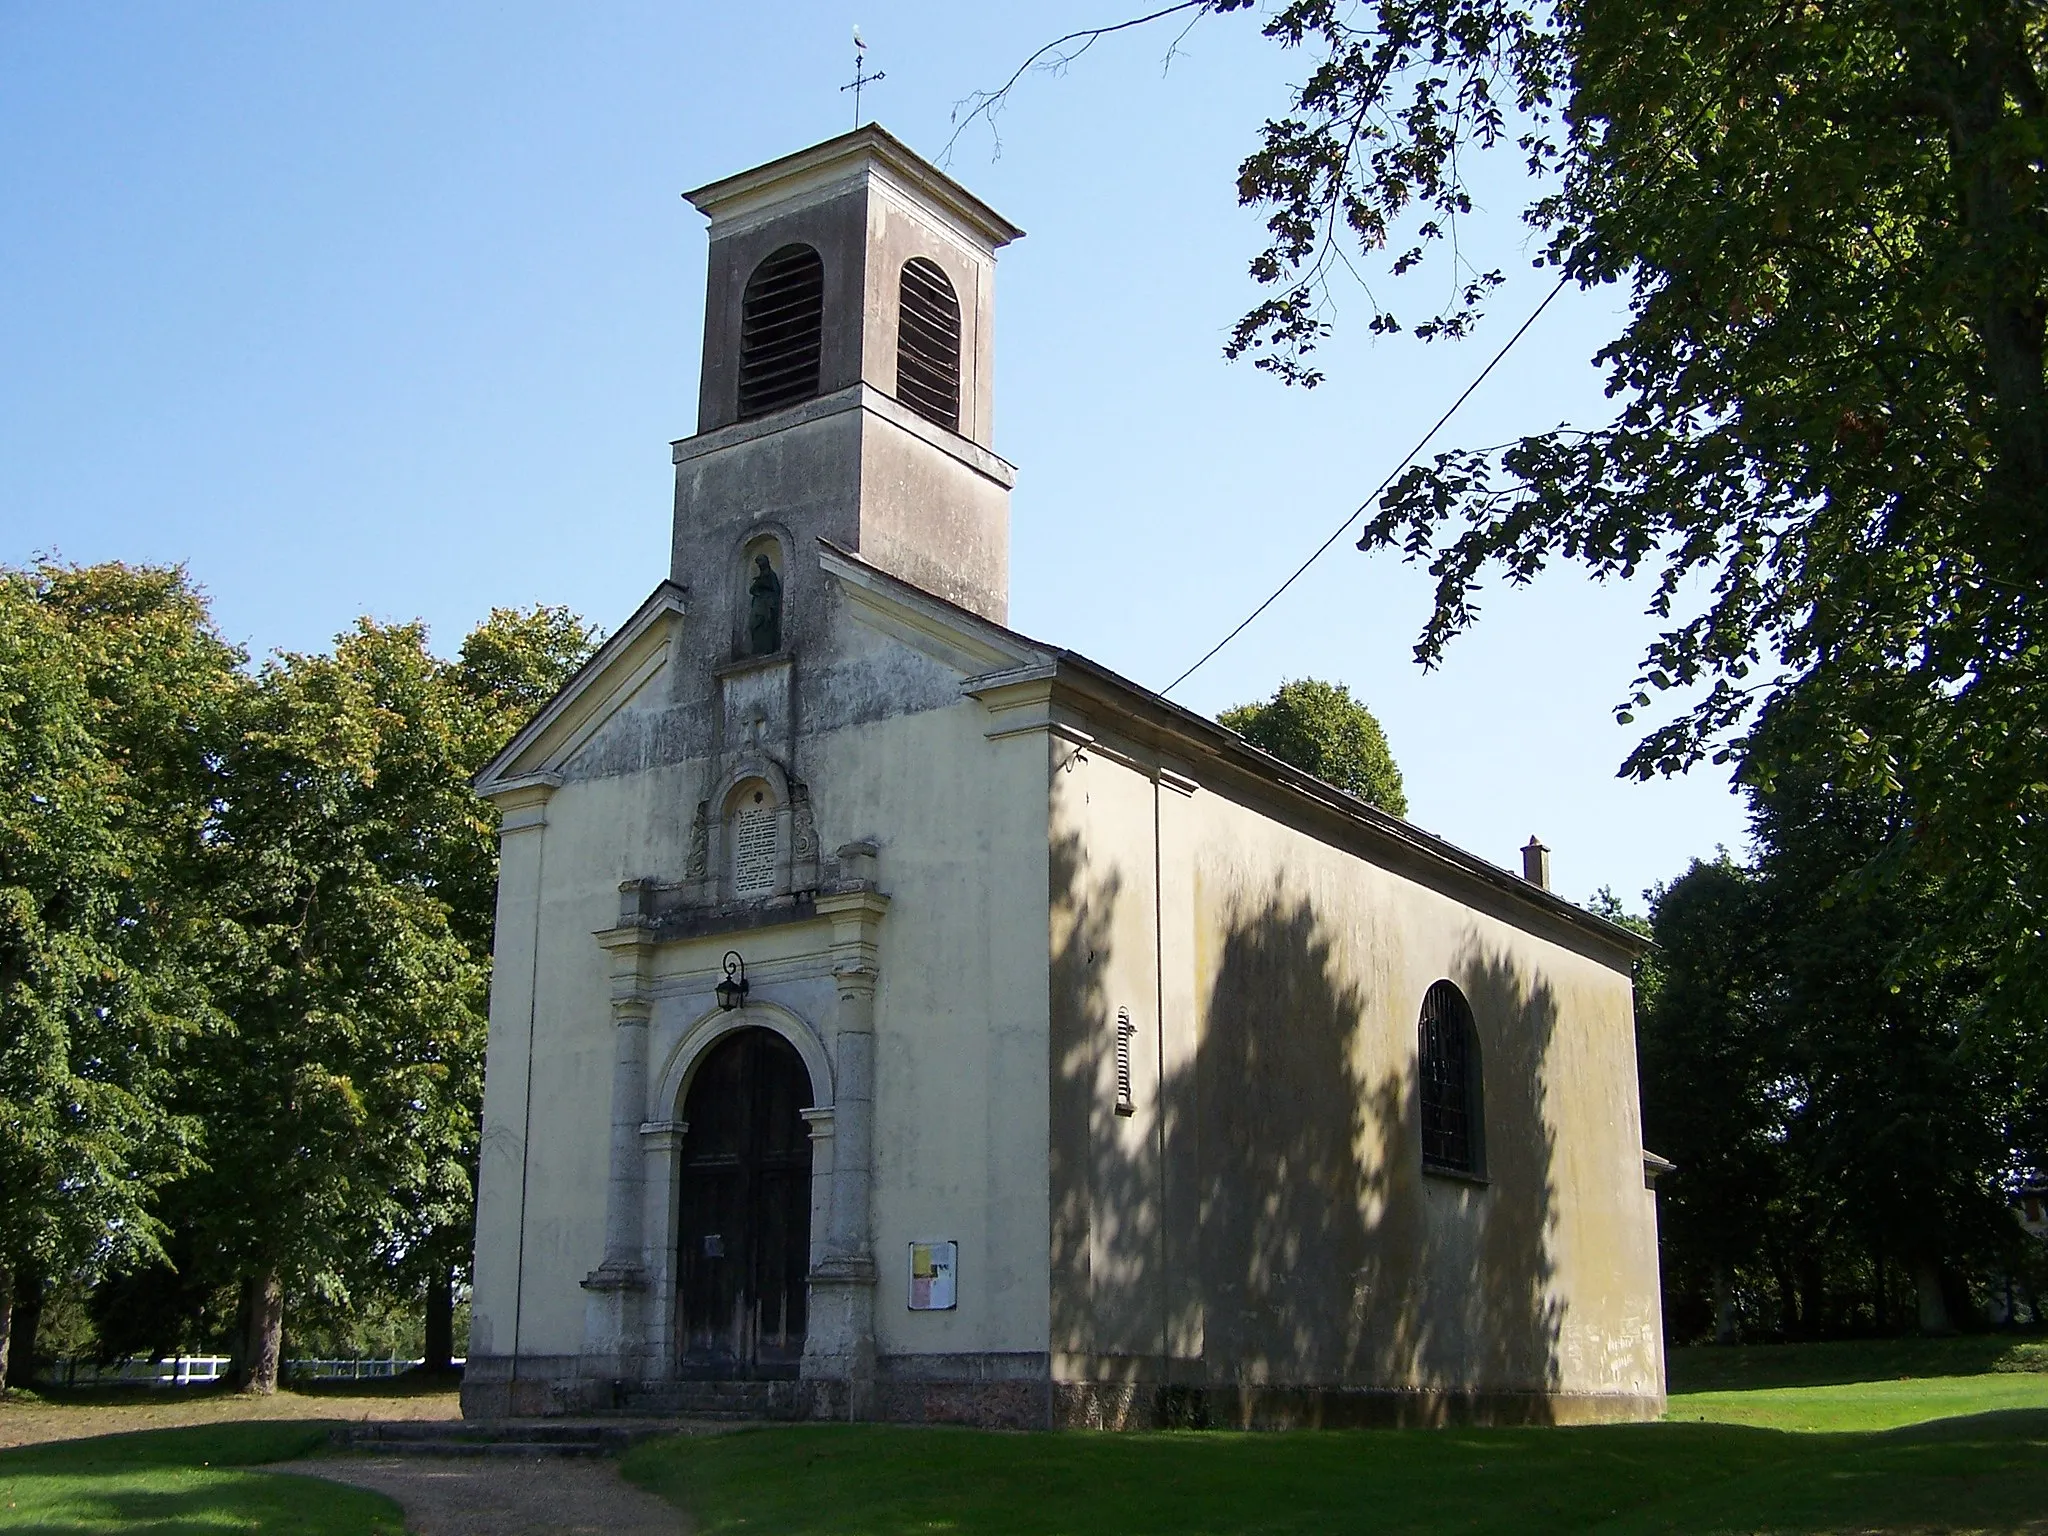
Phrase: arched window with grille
(928, 344)
(1453, 1109)
(782, 327)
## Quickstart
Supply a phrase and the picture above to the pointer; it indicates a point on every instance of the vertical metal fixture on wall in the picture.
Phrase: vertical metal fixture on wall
(732, 992)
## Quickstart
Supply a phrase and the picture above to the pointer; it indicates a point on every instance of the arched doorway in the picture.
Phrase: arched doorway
(745, 1218)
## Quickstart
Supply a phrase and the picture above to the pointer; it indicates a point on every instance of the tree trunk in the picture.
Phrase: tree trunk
(440, 1350)
(6, 1319)
(1933, 1304)
(1788, 1297)
(20, 1367)
(1813, 1298)
(264, 1299)
(1880, 1314)
(1724, 1306)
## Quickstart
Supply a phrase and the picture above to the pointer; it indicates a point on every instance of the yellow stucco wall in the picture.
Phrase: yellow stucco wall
(1263, 1217)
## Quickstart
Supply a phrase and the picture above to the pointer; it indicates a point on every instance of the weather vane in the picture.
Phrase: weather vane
(860, 77)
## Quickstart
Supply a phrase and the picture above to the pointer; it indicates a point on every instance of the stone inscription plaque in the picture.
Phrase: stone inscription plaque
(753, 851)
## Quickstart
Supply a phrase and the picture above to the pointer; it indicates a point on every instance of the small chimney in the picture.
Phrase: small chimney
(1536, 862)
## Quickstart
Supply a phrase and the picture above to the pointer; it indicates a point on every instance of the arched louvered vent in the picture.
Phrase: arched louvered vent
(928, 344)
(782, 323)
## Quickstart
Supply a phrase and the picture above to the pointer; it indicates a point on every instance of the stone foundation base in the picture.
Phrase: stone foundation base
(1138, 1405)
(1014, 1392)
(981, 1404)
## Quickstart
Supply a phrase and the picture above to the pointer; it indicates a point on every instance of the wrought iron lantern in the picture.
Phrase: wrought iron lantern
(732, 992)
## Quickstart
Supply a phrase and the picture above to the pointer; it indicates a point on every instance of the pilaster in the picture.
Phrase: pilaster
(839, 1346)
(614, 1333)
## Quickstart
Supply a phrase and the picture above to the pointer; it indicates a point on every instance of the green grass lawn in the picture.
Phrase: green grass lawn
(1983, 1474)
(1832, 1441)
(1864, 1405)
(1912, 1436)
(1749, 1368)
(184, 1482)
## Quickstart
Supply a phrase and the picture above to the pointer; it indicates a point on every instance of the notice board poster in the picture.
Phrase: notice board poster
(934, 1275)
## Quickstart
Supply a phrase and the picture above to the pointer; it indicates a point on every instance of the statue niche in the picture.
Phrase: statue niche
(764, 609)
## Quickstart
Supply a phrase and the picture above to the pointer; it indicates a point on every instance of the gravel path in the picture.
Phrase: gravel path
(503, 1496)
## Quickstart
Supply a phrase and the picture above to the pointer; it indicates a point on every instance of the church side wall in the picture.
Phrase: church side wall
(1258, 1235)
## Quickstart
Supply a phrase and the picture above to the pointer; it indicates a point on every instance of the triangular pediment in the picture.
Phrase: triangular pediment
(627, 666)
(945, 632)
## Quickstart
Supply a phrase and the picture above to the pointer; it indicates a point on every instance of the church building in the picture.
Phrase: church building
(898, 1017)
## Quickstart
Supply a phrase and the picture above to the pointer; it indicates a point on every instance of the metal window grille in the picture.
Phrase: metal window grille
(1124, 1030)
(782, 326)
(1450, 1082)
(928, 344)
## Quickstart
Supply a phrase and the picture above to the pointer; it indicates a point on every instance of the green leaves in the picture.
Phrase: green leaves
(357, 871)
(1816, 1069)
(1321, 729)
(245, 928)
(106, 701)
(1829, 443)
(1400, 90)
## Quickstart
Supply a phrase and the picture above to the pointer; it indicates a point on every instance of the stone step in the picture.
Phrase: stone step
(527, 1449)
(508, 1437)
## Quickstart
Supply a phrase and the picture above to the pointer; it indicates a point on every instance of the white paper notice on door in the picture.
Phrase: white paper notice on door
(934, 1272)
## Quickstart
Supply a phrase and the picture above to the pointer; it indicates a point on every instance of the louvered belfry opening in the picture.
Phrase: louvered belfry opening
(1450, 1082)
(928, 344)
(782, 325)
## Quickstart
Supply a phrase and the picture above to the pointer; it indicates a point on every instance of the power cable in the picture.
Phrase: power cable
(1344, 527)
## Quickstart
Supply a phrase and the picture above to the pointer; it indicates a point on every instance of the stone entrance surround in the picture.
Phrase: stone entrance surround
(809, 959)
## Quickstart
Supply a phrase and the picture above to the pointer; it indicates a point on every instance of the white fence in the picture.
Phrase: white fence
(198, 1370)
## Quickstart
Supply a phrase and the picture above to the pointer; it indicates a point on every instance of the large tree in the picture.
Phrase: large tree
(1716, 1095)
(357, 871)
(1829, 447)
(1321, 729)
(114, 693)
(1819, 1077)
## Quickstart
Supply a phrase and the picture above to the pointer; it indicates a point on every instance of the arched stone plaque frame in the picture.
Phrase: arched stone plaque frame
(796, 846)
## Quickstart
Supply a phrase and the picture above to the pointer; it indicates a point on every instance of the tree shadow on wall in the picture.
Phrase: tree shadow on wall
(1268, 1243)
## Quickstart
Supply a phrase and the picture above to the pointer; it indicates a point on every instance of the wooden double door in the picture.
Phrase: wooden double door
(746, 1211)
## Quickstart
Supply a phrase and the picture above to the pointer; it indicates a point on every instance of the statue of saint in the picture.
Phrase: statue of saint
(764, 609)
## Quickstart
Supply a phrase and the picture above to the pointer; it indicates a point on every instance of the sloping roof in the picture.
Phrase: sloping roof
(1005, 657)
(1134, 705)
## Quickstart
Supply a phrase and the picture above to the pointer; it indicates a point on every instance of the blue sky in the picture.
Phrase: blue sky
(394, 309)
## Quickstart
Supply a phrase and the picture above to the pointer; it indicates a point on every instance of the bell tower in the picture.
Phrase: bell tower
(846, 389)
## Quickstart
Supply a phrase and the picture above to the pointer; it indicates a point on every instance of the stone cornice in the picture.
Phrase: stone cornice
(870, 151)
(861, 397)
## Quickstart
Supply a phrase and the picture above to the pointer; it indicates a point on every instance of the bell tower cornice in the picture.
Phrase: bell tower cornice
(828, 170)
